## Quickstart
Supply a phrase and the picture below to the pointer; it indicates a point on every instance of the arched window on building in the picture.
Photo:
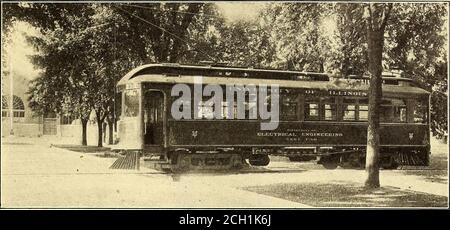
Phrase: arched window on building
(4, 106)
(18, 107)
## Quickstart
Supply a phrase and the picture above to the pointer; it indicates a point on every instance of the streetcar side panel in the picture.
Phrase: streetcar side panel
(248, 133)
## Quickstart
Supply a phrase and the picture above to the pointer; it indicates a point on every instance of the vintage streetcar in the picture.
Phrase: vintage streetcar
(321, 117)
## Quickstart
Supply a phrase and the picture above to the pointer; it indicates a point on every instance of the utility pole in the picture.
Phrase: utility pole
(11, 97)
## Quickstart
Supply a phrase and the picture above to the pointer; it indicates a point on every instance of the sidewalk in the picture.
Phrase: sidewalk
(387, 178)
(37, 176)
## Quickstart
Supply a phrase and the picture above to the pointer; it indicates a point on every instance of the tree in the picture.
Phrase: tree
(84, 54)
(415, 43)
(350, 57)
(63, 85)
(75, 60)
(288, 36)
(246, 43)
(298, 35)
(101, 63)
(377, 16)
(162, 27)
(62, 88)
(205, 41)
(164, 32)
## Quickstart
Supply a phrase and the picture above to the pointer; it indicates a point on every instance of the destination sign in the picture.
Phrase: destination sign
(333, 92)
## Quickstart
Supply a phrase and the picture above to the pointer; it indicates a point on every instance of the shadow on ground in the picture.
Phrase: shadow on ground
(97, 151)
(15, 143)
(436, 172)
(343, 194)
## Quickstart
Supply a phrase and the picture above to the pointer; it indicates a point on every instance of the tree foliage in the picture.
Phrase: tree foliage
(350, 54)
(85, 49)
(246, 43)
(415, 43)
(298, 35)
(162, 29)
(83, 44)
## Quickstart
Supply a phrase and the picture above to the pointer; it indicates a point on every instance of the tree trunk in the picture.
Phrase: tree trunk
(375, 49)
(100, 132)
(100, 121)
(115, 124)
(104, 131)
(84, 132)
(111, 131)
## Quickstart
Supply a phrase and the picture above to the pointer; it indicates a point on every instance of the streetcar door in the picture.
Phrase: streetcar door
(153, 118)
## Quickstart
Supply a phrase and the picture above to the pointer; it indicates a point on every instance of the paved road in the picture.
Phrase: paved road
(40, 176)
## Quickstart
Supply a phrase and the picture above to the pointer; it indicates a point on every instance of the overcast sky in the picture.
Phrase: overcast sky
(240, 10)
(19, 50)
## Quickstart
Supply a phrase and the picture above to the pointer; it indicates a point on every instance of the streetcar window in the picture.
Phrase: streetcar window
(251, 105)
(349, 112)
(312, 108)
(289, 107)
(363, 109)
(230, 112)
(386, 113)
(313, 111)
(393, 110)
(225, 111)
(349, 108)
(251, 109)
(400, 114)
(420, 111)
(205, 110)
(330, 108)
(363, 112)
(131, 103)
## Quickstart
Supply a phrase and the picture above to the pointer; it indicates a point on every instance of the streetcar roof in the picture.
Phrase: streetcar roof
(203, 70)
(174, 74)
(394, 89)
